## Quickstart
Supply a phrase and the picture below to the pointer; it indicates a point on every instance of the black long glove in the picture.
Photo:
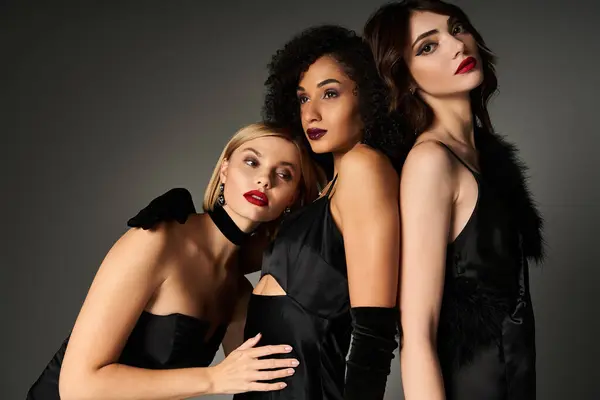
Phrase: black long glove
(175, 205)
(370, 358)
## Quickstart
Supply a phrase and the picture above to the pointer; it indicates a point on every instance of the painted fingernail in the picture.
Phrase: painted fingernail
(290, 371)
(295, 363)
(282, 385)
(288, 348)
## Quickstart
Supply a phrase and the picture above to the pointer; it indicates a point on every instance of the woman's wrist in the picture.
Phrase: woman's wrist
(205, 381)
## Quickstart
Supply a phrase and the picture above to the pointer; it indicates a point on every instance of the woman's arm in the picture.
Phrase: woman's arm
(367, 200)
(426, 199)
(131, 272)
(366, 197)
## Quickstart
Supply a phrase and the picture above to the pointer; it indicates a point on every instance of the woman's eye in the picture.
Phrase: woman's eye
(285, 176)
(458, 28)
(427, 48)
(330, 94)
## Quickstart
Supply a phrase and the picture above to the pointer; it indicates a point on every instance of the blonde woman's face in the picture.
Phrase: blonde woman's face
(262, 178)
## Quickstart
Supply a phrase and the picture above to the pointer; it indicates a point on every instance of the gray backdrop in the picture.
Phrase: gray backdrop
(105, 105)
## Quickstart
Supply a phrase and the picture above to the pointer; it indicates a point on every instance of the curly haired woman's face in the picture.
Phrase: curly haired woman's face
(329, 107)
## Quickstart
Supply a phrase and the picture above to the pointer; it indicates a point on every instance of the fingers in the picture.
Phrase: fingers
(275, 374)
(249, 343)
(275, 363)
(269, 350)
(266, 387)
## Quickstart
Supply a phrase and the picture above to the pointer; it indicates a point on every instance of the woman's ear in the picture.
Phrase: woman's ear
(223, 171)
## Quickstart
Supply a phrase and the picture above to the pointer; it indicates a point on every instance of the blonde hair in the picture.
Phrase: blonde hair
(313, 177)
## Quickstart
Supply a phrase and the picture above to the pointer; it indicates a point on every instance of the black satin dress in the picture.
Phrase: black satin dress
(308, 261)
(486, 334)
(156, 342)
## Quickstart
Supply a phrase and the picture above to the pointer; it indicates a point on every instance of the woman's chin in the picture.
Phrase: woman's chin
(320, 148)
(257, 215)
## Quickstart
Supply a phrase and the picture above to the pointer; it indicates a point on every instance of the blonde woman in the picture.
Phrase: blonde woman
(165, 299)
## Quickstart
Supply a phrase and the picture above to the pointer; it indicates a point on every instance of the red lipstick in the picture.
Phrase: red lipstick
(257, 198)
(315, 133)
(466, 65)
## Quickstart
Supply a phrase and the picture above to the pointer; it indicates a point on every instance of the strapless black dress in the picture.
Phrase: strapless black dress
(156, 342)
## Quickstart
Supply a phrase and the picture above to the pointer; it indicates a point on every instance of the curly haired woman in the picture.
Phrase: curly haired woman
(332, 271)
(331, 274)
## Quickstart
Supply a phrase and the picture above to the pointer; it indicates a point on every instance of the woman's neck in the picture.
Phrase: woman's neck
(225, 231)
(338, 156)
(244, 224)
(454, 117)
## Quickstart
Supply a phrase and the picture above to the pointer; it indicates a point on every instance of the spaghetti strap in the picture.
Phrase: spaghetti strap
(476, 173)
(331, 186)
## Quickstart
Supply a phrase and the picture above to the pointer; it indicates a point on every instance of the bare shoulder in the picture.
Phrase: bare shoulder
(428, 159)
(153, 247)
(153, 241)
(366, 178)
(428, 176)
(364, 167)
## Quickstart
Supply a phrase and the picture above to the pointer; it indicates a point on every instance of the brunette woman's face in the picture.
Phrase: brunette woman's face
(329, 107)
(442, 57)
(262, 178)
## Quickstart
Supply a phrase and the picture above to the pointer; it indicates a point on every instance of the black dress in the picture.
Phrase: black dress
(486, 334)
(156, 342)
(308, 261)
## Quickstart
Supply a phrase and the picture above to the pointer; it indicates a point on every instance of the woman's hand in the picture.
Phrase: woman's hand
(243, 371)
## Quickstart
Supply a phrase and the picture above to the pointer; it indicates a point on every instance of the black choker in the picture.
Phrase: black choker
(227, 227)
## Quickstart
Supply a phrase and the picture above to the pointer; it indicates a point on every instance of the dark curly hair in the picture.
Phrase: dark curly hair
(382, 131)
